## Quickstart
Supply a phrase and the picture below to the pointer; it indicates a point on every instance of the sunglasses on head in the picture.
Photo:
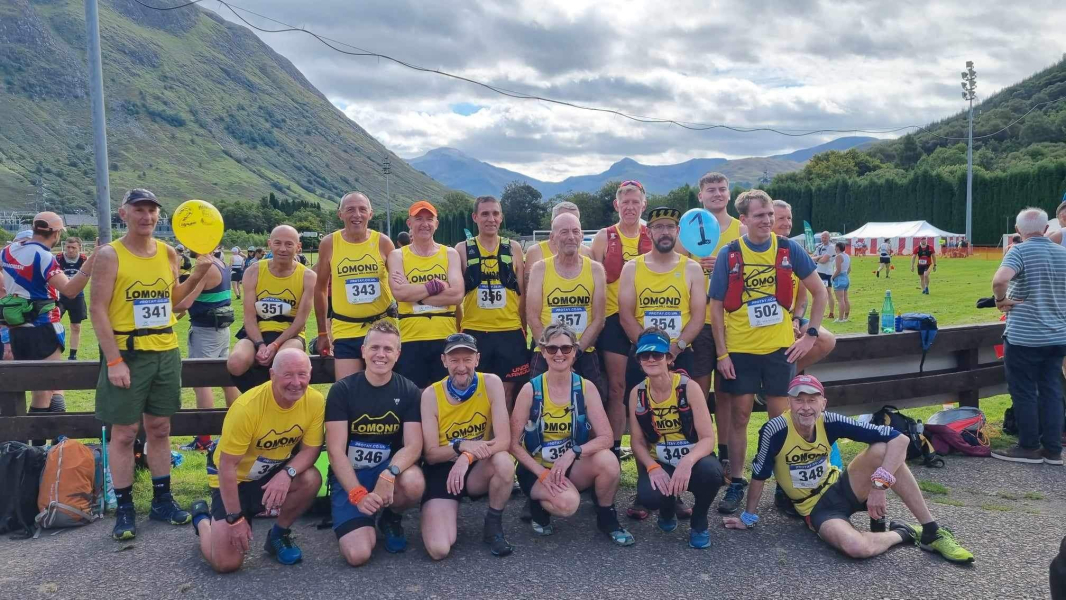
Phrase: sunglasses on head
(553, 350)
(633, 182)
(646, 356)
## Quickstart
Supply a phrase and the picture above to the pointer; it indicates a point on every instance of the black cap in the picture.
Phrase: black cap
(664, 212)
(138, 195)
(460, 340)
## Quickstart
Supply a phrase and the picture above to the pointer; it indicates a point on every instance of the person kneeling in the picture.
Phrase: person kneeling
(550, 439)
(250, 452)
(794, 448)
(673, 439)
(374, 439)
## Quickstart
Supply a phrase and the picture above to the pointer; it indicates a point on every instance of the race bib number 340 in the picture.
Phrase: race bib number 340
(151, 313)
(765, 312)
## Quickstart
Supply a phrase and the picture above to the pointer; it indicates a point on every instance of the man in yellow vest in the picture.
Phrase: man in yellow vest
(751, 295)
(493, 307)
(426, 279)
(278, 297)
(351, 273)
(133, 293)
(714, 196)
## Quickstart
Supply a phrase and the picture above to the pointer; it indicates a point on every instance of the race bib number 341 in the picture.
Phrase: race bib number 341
(151, 313)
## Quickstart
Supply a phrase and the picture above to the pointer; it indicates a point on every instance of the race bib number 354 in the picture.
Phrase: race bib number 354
(667, 320)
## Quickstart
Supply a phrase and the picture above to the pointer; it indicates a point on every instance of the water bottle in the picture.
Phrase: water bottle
(871, 322)
(899, 322)
(888, 321)
(877, 525)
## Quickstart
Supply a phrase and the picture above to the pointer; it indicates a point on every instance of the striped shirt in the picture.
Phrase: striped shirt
(1040, 281)
(773, 433)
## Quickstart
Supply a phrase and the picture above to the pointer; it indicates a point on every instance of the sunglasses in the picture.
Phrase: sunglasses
(633, 182)
(646, 356)
(553, 350)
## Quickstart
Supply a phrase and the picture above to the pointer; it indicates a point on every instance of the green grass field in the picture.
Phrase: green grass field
(954, 290)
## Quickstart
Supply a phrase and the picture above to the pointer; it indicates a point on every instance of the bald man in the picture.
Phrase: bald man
(257, 468)
(278, 296)
(550, 247)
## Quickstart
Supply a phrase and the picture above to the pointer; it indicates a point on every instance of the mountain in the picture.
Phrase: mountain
(457, 170)
(197, 107)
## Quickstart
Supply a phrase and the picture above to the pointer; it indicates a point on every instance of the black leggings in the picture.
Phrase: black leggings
(704, 483)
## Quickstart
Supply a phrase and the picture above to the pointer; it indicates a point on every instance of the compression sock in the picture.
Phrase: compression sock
(73, 354)
(607, 518)
(617, 449)
(124, 496)
(389, 516)
(494, 519)
(58, 404)
(929, 532)
(723, 452)
(160, 486)
(700, 509)
(536, 510)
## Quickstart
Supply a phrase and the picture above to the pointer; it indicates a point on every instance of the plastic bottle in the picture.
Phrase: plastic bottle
(899, 322)
(888, 321)
(871, 322)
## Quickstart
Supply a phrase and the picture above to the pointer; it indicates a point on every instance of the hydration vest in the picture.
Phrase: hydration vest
(472, 275)
(734, 293)
(613, 260)
(646, 420)
(533, 438)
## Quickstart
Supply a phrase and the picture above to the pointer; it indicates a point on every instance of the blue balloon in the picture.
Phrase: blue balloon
(699, 232)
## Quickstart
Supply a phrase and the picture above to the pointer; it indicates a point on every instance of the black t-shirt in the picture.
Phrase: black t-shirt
(375, 416)
(71, 267)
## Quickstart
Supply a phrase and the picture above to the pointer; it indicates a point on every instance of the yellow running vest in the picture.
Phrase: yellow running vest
(360, 284)
(760, 325)
(662, 298)
(567, 300)
(731, 233)
(141, 298)
(545, 249)
(469, 420)
(803, 469)
(630, 250)
(558, 422)
(428, 322)
(672, 444)
(278, 298)
(490, 307)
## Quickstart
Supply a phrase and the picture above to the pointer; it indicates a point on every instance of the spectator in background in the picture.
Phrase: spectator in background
(1059, 237)
(842, 281)
(825, 261)
(1029, 286)
(72, 261)
(251, 258)
(236, 271)
(403, 239)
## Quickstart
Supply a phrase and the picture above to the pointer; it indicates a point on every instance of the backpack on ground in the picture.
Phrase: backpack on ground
(68, 492)
(959, 429)
(926, 327)
(920, 446)
(20, 476)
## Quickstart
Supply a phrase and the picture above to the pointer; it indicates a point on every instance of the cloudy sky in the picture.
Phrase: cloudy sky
(785, 64)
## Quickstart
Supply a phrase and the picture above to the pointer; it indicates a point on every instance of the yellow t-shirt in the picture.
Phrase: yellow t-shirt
(278, 298)
(264, 435)
(141, 298)
(558, 423)
(360, 284)
(672, 444)
(802, 467)
(490, 307)
(761, 325)
(630, 250)
(662, 298)
(468, 420)
(732, 232)
(567, 300)
(421, 322)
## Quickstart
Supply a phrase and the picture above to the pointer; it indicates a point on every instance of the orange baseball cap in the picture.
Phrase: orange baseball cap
(420, 206)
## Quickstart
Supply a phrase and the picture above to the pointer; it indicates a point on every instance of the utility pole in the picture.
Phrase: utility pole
(969, 92)
(96, 93)
(386, 168)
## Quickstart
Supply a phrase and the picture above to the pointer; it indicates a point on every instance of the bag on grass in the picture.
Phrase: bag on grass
(67, 496)
(920, 446)
(959, 429)
(20, 478)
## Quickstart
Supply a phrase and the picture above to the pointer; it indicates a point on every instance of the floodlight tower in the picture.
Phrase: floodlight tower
(969, 93)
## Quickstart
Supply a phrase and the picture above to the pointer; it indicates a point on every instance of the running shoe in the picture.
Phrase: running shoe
(198, 444)
(281, 547)
(498, 545)
(945, 545)
(699, 539)
(667, 525)
(197, 508)
(545, 529)
(166, 509)
(734, 495)
(392, 529)
(1018, 454)
(1051, 458)
(911, 533)
(614, 530)
(125, 523)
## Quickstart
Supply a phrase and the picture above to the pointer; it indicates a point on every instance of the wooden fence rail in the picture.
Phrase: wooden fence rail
(863, 373)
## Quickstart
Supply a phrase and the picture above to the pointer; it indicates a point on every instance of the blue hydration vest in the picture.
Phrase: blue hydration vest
(533, 437)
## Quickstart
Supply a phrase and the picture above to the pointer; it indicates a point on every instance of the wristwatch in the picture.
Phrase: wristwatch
(880, 486)
(812, 331)
(455, 446)
(394, 470)
(577, 451)
(681, 344)
(291, 472)
(234, 517)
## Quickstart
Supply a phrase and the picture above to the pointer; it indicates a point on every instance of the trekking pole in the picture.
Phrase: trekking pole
(104, 471)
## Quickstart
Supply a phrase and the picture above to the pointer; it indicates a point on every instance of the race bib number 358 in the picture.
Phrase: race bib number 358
(151, 313)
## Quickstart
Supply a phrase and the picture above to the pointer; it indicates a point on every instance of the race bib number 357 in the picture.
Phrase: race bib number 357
(151, 313)
(575, 317)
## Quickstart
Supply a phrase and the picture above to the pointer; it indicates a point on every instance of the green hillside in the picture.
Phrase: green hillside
(196, 108)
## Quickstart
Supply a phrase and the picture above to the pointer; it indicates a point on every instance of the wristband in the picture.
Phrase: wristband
(387, 477)
(726, 355)
(544, 475)
(323, 335)
(653, 467)
(275, 346)
(881, 474)
(469, 457)
(117, 361)
(357, 494)
(749, 519)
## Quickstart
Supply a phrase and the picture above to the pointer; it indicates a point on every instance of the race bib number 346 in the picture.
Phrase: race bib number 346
(151, 313)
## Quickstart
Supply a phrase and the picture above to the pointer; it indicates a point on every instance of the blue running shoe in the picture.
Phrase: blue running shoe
(281, 547)
(667, 525)
(392, 529)
(699, 539)
(125, 523)
(166, 509)
(734, 494)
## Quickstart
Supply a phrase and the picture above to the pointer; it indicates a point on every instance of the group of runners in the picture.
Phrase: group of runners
(438, 397)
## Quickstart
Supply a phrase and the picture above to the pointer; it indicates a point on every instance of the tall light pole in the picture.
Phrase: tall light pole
(386, 168)
(96, 93)
(969, 92)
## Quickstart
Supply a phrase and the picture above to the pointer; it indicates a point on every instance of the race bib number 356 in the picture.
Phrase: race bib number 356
(490, 296)
(765, 312)
(151, 313)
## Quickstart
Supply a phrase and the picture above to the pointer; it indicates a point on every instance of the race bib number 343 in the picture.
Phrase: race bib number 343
(765, 312)
(363, 290)
(153, 312)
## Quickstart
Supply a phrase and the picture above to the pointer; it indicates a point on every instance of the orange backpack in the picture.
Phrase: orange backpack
(68, 487)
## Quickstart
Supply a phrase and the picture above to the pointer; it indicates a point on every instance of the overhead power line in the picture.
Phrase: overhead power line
(693, 126)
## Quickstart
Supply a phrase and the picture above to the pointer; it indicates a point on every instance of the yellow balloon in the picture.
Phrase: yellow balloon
(198, 225)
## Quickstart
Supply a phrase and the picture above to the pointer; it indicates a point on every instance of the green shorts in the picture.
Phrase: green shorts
(155, 388)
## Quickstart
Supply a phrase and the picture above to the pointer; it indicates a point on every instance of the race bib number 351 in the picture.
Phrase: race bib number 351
(765, 312)
(270, 307)
(151, 313)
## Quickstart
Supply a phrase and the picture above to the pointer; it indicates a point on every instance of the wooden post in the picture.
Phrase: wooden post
(967, 360)
(12, 404)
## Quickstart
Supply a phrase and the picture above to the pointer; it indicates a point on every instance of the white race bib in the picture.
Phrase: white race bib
(667, 320)
(150, 313)
(575, 317)
(419, 309)
(554, 450)
(272, 307)
(363, 290)
(491, 296)
(261, 467)
(765, 312)
(366, 455)
(808, 476)
(672, 452)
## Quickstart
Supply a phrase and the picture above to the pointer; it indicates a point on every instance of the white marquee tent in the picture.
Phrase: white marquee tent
(903, 236)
